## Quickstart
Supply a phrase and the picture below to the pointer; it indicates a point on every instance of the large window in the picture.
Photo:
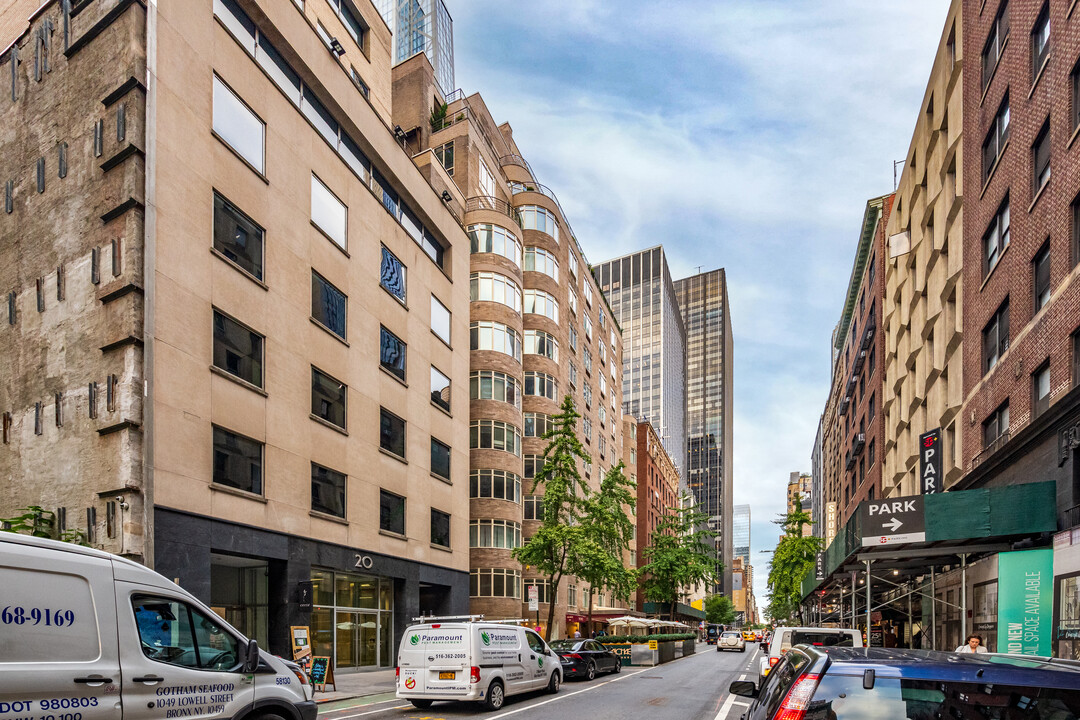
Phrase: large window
(392, 353)
(494, 435)
(440, 389)
(327, 491)
(497, 484)
(440, 528)
(1040, 275)
(494, 287)
(996, 238)
(1040, 41)
(494, 385)
(541, 385)
(328, 398)
(1040, 390)
(503, 534)
(995, 140)
(996, 337)
(391, 433)
(391, 512)
(538, 342)
(995, 40)
(534, 507)
(495, 582)
(537, 424)
(238, 350)
(541, 303)
(237, 125)
(445, 154)
(495, 336)
(996, 425)
(487, 238)
(534, 217)
(238, 461)
(486, 180)
(440, 459)
(541, 261)
(238, 237)
(1040, 157)
(440, 320)
(392, 275)
(328, 213)
(328, 305)
(543, 589)
(352, 20)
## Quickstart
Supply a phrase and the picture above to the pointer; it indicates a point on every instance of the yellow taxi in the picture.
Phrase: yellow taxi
(748, 635)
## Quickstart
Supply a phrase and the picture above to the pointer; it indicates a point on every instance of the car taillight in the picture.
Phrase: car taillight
(798, 698)
(573, 655)
(300, 675)
(397, 672)
(773, 661)
(474, 674)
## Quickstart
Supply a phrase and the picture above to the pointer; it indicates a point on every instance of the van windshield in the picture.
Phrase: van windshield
(821, 638)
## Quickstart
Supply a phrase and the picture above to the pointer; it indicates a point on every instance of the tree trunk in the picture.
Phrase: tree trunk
(591, 632)
(551, 607)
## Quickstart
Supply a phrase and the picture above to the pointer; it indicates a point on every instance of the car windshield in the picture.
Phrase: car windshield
(811, 637)
(565, 644)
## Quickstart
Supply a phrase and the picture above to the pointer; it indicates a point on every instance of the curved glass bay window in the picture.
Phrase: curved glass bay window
(484, 335)
(538, 342)
(495, 582)
(494, 385)
(494, 287)
(488, 238)
(541, 261)
(496, 484)
(485, 533)
(494, 435)
(534, 217)
(541, 303)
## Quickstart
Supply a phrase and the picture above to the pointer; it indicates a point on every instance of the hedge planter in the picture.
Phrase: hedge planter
(636, 650)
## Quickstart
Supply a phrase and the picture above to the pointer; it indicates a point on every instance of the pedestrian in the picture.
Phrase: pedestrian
(973, 645)
(577, 633)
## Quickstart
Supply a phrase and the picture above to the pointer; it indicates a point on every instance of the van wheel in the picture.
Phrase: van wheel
(496, 696)
(553, 683)
(270, 716)
(590, 672)
(421, 703)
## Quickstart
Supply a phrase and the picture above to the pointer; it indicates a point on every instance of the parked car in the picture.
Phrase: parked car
(784, 638)
(585, 658)
(819, 683)
(731, 640)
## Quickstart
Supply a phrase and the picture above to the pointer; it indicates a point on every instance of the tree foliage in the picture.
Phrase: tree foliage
(608, 531)
(680, 555)
(39, 522)
(792, 559)
(719, 609)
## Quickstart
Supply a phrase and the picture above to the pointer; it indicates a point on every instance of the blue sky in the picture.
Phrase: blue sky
(746, 135)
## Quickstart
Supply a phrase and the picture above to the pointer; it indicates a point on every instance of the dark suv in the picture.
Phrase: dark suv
(811, 683)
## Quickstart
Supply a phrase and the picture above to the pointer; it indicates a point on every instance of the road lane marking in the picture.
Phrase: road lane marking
(372, 712)
(725, 708)
(560, 696)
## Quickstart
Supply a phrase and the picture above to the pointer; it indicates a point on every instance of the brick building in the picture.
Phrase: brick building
(657, 487)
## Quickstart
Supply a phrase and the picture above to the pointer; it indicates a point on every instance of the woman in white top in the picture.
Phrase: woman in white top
(973, 645)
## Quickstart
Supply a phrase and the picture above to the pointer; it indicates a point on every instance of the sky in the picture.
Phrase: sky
(743, 134)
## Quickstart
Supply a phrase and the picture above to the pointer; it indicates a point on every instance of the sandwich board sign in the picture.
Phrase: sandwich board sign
(894, 521)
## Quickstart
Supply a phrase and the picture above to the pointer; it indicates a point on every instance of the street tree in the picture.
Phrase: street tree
(680, 555)
(558, 544)
(608, 531)
(792, 560)
(719, 610)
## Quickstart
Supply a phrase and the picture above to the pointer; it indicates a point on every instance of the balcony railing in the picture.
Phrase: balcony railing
(516, 160)
(1071, 517)
(485, 202)
(517, 187)
(990, 449)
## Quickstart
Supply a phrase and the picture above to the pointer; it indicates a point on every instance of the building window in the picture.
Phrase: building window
(493, 287)
(503, 534)
(238, 237)
(238, 461)
(573, 302)
(534, 217)
(358, 81)
(494, 385)
(495, 336)
(495, 582)
(543, 588)
(327, 491)
(587, 358)
(539, 302)
(996, 337)
(871, 363)
(1075, 249)
(586, 322)
(494, 435)
(995, 140)
(870, 452)
(533, 465)
(440, 528)
(328, 213)
(603, 384)
(1076, 358)
(440, 459)
(440, 320)
(238, 350)
(534, 507)
(351, 19)
(391, 433)
(996, 425)
(497, 484)
(1040, 156)
(571, 595)
(587, 393)
(485, 238)
(391, 512)
(328, 398)
(586, 288)
(392, 353)
(541, 261)
(392, 275)
(445, 154)
(1040, 390)
(440, 389)
(573, 263)
(870, 410)
(586, 429)
(538, 342)
(540, 385)
(991, 53)
(1040, 273)
(486, 180)
(238, 126)
(328, 305)
(573, 336)
(1074, 85)
(1040, 41)
(996, 238)
(536, 424)
(571, 374)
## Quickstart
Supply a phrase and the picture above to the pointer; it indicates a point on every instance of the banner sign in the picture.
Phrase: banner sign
(1025, 602)
(819, 566)
(930, 462)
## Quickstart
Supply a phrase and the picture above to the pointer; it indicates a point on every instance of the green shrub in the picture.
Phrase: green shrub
(661, 637)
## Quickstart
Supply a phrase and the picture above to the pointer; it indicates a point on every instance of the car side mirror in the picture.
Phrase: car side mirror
(744, 688)
(251, 657)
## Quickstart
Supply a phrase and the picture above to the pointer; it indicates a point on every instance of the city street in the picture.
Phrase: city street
(691, 688)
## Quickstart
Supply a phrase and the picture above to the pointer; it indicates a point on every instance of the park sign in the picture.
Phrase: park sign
(893, 522)
(930, 462)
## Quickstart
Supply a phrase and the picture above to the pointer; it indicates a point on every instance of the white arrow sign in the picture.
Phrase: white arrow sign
(893, 524)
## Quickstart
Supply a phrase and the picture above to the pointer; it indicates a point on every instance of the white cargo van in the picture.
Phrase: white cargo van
(466, 658)
(85, 635)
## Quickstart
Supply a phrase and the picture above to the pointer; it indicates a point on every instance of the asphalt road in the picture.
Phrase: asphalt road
(690, 688)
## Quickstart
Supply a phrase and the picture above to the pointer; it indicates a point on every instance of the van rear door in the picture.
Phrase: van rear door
(58, 649)
(447, 656)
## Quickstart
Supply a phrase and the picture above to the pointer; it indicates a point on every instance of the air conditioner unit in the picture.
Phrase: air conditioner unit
(860, 442)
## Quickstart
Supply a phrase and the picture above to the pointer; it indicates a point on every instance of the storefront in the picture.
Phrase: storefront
(353, 619)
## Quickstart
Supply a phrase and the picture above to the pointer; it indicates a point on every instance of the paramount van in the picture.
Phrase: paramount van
(85, 635)
(466, 658)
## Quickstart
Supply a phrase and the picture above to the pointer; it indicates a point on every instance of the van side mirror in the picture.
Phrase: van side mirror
(251, 657)
(744, 688)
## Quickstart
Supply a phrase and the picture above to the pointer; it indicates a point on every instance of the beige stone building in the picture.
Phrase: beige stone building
(227, 283)
(923, 304)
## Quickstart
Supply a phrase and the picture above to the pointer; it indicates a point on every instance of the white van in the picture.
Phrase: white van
(469, 659)
(85, 635)
(785, 638)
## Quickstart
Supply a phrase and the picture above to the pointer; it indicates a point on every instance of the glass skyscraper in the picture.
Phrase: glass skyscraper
(422, 26)
(740, 533)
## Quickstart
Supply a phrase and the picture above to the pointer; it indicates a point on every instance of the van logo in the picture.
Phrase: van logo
(486, 638)
(540, 662)
(409, 683)
(414, 640)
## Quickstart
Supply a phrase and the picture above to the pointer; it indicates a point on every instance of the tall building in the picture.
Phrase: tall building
(642, 297)
(422, 26)
(801, 486)
(539, 331)
(710, 362)
(225, 286)
(740, 533)
(657, 488)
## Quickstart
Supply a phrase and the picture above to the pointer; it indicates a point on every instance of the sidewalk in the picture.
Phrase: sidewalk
(359, 684)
